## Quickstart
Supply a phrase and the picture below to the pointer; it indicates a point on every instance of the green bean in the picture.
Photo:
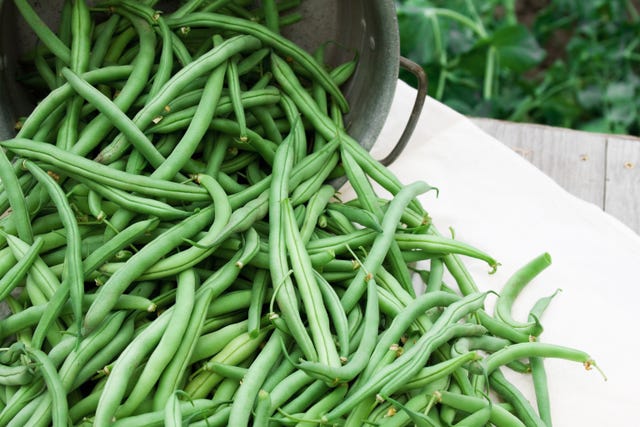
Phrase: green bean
(265, 148)
(287, 388)
(261, 281)
(271, 16)
(356, 215)
(80, 47)
(359, 360)
(539, 377)
(309, 290)
(101, 43)
(15, 375)
(303, 400)
(105, 355)
(177, 83)
(121, 240)
(291, 85)
(441, 245)
(186, 8)
(285, 295)
(501, 329)
(266, 120)
(382, 242)
(228, 371)
(239, 221)
(218, 419)
(261, 414)
(511, 394)
(338, 223)
(197, 127)
(499, 416)
(119, 119)
(135, 203)
(226, 390)
(59, 406)
(239, 349)
(44, 70)
(175, 370)
(46, 36)
(72, 275)
(168, 345)
(254, 379)
(140, 262)
(513, 287)
(95, 131)
(173, 412)
(530, 349)
(120, 43)
(403, 321)
(156, 418)
(119, 377)
(163, 74)
(338, 316)
(14, 276)
(365, 192)
(75, 165)
(215, 5)
(433, 373)
(54, 99)
(230, 302)
(479, 418)
(268, 38)
(74, 363)
(16, 199)
(25, 414)
(412, 361)
(344, 71)
(235, 93)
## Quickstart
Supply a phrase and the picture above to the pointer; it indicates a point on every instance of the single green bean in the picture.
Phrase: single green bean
(513, 287)
(530, 349)
(73, 278)
(16, 198)
(46, 36)
(57, 393)
(254, 379)
(14, 276)
(511, 394)
(309, 290)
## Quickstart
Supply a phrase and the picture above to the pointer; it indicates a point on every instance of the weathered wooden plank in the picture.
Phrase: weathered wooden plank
(575, 160)
(622, 193)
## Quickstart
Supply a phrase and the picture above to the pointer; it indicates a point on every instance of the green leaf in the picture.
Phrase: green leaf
(517, 49)
(600, 125)
(590, 97)
(620, 92)
(416, 38)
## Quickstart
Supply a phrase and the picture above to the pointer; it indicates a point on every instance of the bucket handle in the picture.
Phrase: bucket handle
(419, 73)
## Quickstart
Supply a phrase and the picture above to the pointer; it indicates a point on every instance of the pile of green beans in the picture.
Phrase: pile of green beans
(173, 250)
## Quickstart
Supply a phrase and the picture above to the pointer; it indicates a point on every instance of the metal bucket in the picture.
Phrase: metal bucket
(367, 27)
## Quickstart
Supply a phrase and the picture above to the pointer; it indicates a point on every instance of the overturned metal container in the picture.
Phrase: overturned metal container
(366, 28)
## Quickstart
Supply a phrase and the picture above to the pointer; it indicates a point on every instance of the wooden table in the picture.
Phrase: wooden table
(599, 168)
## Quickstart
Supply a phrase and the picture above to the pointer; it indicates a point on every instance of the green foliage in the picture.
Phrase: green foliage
(576, 65)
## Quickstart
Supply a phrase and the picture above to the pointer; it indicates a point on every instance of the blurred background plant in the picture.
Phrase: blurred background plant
(568, 63)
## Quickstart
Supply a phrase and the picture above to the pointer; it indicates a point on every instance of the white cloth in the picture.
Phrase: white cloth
(500, 203)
